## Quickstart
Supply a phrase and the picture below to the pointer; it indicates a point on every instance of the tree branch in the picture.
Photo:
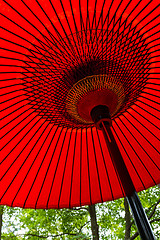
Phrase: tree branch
(83, 226)
(155, 220)
(1, 220)
(154, 209)
(127, 219)
(152, 213)
(94, 224)
(136, 234)
(80, 208)
(45, 237)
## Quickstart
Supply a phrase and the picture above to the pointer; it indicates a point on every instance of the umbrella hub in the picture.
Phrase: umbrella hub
(92, 91)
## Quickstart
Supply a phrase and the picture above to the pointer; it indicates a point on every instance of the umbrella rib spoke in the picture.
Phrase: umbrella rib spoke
(143, 124)
(58, 160)
(80, 178)
(88, 165)
(148, 104)
(45, 38)
(70, 26)
(9, 99)
(147, 111)
(149, 98)
(19, 153)
(96, 162)
(39, 41)
(82, 26)
(34, 45)
(140, 144)
(25, 177)
(153, 88)
(128, 155)
(151, 122)
(32, 62)
(18, 141)
(73, 162)
(107, 18)
(38, 170)
(7, 123)
(19, 130)
(69, 42)
(64, 170)
(21, 164)
(40, 20)
(136, 154)
(151, 94)
(131, 41)
(141, 134)
(131, 24)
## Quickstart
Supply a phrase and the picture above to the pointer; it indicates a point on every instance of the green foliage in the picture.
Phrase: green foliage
(44, 223)
(149, 198)
(111, 215)
(70, 224)
(111, 219)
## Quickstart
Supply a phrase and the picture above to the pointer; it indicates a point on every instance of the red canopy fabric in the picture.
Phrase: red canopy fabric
(48, 159)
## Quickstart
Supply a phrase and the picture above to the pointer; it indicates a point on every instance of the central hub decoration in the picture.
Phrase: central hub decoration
(92, 91)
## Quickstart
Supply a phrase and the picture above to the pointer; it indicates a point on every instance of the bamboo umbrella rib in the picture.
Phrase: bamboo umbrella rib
(35, 157)
(89, 178)
(73, 163)
(16, 160)
(97, 170)
(137, 155)
(66, 158)
(38, 170)
(151, 132)
(54, 171)
(132, 163)
(142, 135)
(139, 144)
(107, 174)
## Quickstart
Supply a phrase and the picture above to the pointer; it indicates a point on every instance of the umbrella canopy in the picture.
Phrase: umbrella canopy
(58, 60)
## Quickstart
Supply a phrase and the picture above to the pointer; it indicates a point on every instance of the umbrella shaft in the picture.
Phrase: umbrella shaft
(127, 185)
(140, 217)
(118, 162)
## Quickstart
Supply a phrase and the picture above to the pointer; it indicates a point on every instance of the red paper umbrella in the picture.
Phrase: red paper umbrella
(59, 61)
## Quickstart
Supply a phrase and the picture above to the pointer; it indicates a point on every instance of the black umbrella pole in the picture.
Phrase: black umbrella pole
(101, 117)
